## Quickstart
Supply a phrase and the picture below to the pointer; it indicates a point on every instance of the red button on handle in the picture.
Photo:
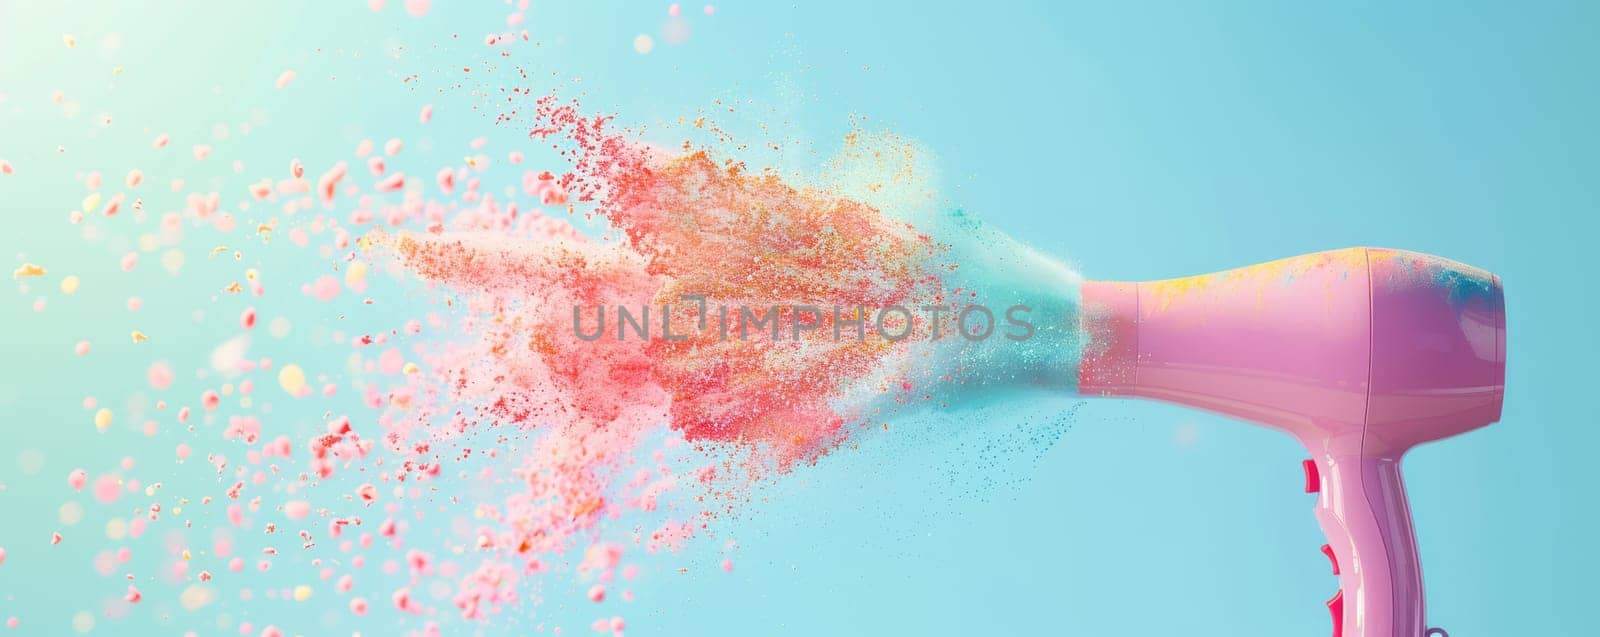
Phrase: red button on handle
(1313, 480)
(1336, 606)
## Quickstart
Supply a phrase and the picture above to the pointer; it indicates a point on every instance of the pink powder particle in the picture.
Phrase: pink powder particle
(209, 399)
(421, 563)
(133, 595)
(11, 623)
(183, 451)
(2, 555)
(284, 79)
(261, 189)
(325, 288)
(403, 601)
(82, 349)
(77, 479)
(5, 167)
(328, 183)
(358, 606)
(297, 509)
(392, 183)
(367, 493)
(161, 141)
(727, 566)
(673, 9)
(202, 151)
(129, 261)
(107, 489)
(134, 303)
(247, 320)
(426, 115)
(391, 361)
(710, 9)
(392, 147)
(55, 538)
(135, 177)
(418, 8)
(597, 593)
(112, 206)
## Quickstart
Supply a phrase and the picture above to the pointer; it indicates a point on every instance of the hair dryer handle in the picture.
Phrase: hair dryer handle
(1363, 512)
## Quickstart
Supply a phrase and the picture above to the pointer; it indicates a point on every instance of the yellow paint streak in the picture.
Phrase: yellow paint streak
(1165, 291)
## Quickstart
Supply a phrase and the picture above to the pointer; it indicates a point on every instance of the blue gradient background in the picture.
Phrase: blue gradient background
(1135, 139)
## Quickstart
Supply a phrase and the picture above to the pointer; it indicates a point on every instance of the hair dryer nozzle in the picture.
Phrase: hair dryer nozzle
(1400, 346)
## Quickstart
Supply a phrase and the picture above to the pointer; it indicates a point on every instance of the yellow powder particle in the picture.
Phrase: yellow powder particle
(196, 597)
(172, 260)
(292, 379)
(102, 419)
(69, 284)
(355, 274)
(116, 529)
(83, 621)
(70, 513)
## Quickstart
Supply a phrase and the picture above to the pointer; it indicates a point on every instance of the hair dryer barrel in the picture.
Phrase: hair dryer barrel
(1359, 353)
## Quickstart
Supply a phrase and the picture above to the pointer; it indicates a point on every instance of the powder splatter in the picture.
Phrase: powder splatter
(615, 344)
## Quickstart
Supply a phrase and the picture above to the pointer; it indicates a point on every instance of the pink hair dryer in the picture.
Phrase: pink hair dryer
(1359, 353)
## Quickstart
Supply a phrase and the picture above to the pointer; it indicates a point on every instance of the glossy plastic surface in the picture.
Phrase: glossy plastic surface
(1359, 353)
